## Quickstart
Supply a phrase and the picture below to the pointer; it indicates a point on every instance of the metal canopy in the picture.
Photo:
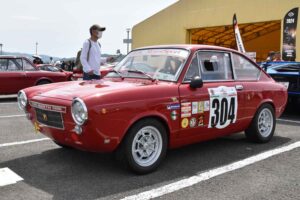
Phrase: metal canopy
(224, 36)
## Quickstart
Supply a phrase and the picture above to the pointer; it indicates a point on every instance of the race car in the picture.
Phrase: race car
(159, 98)
(286, 73)
(18, 72)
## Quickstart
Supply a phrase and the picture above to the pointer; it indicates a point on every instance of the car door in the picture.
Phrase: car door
(216, 108)
(12, 78)
(32, 73)
(247, 75)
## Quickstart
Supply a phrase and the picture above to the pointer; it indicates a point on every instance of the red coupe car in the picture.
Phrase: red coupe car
(158, 98)
(17, 73)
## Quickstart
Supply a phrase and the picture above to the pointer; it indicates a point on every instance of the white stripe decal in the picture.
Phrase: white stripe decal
(23, 142)
(287, 120)
(11, 116)
(8, 177)
(187, 182)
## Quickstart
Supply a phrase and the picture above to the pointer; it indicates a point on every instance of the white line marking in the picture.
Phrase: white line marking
(187, 182)
(287, 120)
(23, 142)
(8, 103)
(8, 177)
(11, 116)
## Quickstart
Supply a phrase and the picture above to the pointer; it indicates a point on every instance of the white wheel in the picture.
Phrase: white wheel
(147, 146)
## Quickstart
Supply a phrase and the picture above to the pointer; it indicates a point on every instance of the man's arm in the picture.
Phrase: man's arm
(83, 58)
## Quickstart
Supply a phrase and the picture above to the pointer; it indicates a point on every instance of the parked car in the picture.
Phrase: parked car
(288, 74)
(18, 72)
(52, 68)
(158, 98)
(104, 69)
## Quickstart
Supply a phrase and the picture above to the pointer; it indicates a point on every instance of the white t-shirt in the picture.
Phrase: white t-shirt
(95, 59)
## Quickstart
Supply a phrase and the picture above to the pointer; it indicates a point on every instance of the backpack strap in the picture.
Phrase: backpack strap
(88, 53)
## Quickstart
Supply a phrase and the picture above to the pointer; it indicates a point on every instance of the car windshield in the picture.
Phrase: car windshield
(161, 64)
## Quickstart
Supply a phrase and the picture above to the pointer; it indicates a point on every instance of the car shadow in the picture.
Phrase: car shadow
(72, 174)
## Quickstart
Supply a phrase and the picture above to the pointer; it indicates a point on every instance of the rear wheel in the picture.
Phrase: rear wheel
(263, 125)
(144, 147)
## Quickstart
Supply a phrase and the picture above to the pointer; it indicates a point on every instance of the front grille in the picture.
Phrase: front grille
(49, 118)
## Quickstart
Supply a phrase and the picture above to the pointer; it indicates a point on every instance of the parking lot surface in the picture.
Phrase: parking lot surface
(51, 172)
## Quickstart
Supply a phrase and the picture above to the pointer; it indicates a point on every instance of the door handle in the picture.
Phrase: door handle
(239, 87)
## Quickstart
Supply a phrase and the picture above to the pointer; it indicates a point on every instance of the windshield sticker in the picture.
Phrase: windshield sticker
(161, 52)
(223, 107)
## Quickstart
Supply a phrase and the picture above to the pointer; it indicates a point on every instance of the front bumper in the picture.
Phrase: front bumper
(90, 139)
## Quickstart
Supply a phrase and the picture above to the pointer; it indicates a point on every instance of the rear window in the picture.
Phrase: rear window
(244, 69)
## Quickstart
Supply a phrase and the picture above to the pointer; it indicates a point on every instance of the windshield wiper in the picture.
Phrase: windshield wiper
(117, 72)
(141, 72)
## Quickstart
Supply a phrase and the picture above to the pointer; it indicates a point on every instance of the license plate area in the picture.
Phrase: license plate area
(49, 118)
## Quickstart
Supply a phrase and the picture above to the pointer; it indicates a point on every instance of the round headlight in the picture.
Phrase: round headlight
(79, 111)
(22, 100)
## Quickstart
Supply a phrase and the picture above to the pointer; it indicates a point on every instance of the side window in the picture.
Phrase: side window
(244, 69)
(215, 65)
(27, 66)
(193, 69)
(14, 65)
(3, 65)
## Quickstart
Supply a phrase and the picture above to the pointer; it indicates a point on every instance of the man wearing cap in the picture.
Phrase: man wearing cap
(91, 54)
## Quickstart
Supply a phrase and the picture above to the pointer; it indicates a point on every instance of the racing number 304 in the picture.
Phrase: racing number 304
(224, 111)
(223, 107)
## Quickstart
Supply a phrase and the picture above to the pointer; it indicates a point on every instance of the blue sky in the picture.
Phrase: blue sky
(60, 27)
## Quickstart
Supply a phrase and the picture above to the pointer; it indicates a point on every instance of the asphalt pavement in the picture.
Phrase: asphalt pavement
(51, 172)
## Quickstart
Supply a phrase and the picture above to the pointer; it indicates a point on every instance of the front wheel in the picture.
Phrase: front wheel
(144, 147)
(263, 125)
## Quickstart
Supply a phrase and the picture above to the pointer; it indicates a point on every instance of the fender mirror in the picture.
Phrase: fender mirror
(196, 82)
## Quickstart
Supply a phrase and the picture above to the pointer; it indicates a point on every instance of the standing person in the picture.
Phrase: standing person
(91, 54)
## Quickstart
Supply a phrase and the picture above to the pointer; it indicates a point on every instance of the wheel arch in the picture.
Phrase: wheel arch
(43, 79)
(159, 117)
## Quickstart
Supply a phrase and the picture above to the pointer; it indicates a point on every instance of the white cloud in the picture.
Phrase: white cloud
(26, 18)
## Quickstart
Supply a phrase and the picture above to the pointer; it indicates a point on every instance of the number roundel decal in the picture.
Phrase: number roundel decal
(223, 106)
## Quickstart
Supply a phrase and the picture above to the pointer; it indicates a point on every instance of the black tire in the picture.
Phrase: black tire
(43, 82)
(62, 145)
(124, 153)
(253, 132)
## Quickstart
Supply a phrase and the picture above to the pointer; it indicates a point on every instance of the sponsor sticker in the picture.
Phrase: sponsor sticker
(184, 123)
(201, 120)
(193, 122)
(201, 107)
(174, 106)
(195, 107)
(186, 109)
(206, 105)
(174, 115)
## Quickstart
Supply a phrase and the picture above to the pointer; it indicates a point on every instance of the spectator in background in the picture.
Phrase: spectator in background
(91, 54)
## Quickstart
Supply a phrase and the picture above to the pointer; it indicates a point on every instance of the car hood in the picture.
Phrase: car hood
(85, 89)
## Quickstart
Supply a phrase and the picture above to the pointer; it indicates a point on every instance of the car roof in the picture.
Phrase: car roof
(11, 56)
(189, 47)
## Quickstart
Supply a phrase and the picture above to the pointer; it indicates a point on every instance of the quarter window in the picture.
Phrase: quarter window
(215, 66)
(3, 65)
(28, 66)
(193, 69)
(244, 69)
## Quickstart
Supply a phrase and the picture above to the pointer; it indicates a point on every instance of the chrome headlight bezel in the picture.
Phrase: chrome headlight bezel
(77, 113)
(22, 100)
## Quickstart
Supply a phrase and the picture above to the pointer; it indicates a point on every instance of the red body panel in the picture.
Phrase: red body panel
(13, 81)
(114, 105)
